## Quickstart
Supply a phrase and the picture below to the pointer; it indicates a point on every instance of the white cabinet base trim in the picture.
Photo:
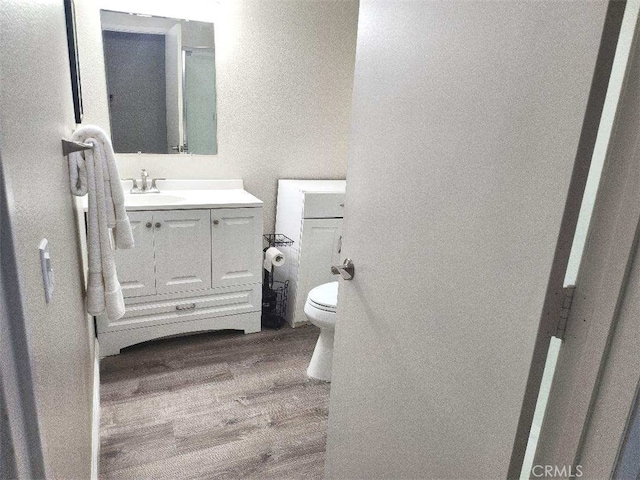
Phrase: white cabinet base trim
(112, 342)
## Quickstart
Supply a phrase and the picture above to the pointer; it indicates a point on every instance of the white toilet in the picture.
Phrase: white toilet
(320, 309)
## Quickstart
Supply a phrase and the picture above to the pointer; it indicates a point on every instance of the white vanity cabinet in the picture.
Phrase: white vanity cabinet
(136, 269)
(182, 250)
(236, 236)
(193, 268)
(172, 253)
(310, 213)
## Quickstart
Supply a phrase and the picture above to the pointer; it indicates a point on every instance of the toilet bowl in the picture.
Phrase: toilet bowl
(320, 309)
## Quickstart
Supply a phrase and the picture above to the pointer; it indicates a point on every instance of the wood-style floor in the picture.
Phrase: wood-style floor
(219, 405)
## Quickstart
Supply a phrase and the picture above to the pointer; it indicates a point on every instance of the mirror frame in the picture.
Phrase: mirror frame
(183, 82)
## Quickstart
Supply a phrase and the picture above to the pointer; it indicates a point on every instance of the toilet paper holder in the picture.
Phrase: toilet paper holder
(274, 293)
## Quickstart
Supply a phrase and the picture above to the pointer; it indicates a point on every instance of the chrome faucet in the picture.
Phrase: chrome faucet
(144, 183)
(144, 176)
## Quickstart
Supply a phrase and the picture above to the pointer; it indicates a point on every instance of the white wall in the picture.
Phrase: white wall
(36, 111)
(284, 81)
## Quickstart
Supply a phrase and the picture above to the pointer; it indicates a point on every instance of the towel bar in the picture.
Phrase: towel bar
(70, 147)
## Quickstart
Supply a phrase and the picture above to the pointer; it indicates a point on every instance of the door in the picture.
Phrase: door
(200, 101)
(319, 250)
(466, 120)
(135, 267)
(173, 72)
(236, 246)
(182, 240)
(135, 128)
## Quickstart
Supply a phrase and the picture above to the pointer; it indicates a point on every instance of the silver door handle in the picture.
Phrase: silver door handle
(347, 270)
(189, 306)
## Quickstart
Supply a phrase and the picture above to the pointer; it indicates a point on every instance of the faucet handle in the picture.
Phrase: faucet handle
(135, 184)
(154, 188)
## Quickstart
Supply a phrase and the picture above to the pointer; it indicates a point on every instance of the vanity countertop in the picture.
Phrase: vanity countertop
(186, 194)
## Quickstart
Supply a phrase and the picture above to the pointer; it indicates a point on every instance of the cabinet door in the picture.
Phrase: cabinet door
(135, 266)
(236, 246)
(182, 241)
(319, 249)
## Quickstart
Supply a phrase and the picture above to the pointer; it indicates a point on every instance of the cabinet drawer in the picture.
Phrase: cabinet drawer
(169, 309)
(324, 205)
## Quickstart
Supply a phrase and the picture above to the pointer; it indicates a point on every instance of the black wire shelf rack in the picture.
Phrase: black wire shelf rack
(277, 240)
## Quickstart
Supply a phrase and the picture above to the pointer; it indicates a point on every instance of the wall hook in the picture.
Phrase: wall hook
(70, 147)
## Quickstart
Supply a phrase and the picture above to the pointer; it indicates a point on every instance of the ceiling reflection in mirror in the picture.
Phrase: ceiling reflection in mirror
(160, 84)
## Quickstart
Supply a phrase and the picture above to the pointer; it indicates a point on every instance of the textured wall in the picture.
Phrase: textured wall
(36, 111)
(284, 82)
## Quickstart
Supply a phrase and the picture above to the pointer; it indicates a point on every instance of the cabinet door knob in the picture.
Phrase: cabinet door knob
(158, 224)
(216, 222)
(149, 224)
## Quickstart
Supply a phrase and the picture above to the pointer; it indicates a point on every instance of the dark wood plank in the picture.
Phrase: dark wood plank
(117, 452)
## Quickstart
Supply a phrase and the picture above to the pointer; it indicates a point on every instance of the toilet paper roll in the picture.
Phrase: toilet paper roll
(273, 258)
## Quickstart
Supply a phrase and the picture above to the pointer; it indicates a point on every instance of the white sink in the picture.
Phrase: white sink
(185, 195)
(134, 200)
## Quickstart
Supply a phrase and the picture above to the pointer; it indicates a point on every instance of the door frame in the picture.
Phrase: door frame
(595, 360)
(22, 449)
(555, 288)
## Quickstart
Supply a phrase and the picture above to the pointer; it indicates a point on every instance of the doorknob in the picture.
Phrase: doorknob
(347, 270)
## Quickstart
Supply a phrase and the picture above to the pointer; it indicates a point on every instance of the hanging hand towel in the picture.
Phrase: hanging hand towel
(94, 172)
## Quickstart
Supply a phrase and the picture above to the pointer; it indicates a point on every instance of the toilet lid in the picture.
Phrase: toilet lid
(325, 296)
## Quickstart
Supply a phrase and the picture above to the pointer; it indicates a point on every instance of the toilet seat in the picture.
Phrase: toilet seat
(324, 297)
(321, 307)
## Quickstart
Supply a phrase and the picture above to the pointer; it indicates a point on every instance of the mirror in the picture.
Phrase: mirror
(160, 83)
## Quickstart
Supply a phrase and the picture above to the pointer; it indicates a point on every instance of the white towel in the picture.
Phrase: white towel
(95, 172)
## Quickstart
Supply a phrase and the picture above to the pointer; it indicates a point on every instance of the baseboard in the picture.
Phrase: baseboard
(95, 420)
